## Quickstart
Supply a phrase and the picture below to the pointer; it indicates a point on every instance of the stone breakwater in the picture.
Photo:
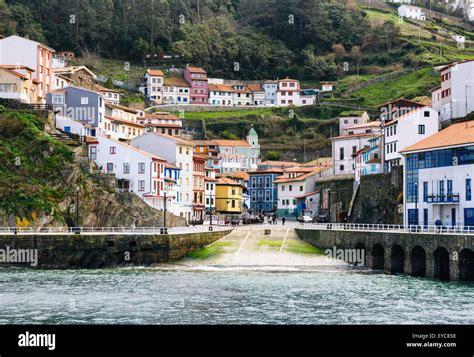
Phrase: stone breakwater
(103, 250)
(446, 257)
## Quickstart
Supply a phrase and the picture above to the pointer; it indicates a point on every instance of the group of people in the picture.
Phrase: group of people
(271, 219)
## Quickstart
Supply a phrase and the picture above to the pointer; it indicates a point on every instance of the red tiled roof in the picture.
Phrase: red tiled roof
(155, 72)
(227, 181)
(196, 69)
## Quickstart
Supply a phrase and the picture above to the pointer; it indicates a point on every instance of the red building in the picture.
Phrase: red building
(197, 79)
(199, 176)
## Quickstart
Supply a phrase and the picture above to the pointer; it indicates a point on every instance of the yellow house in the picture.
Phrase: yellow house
(228, 196)
(17, 82)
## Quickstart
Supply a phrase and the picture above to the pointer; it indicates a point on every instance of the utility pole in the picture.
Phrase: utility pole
(164, 210)
(77, 206)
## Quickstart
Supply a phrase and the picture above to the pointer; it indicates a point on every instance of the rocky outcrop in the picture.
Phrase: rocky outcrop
(42, 191)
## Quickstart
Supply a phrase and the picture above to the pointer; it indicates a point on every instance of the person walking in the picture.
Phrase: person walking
(283, 219)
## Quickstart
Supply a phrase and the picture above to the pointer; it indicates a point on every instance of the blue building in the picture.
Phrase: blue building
(262, 190)
(77, 110)
(438, 178)
(173, 189)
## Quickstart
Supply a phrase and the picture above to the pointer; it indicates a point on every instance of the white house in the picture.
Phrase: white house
(353, 118)
(121, 122)
(327, 87)
(111, 96)
(438, 178)
(308, 97)
(436, 103)
(17, 50)
(270, 88)
(350, 140)
(221, 94)
(293, 185)
(154, 85)
(367, 161)
(288, 92)
(178, 152)
(173, 188)
(176, 91)
(457, 90)
(412, 12)
(407, 130)
(135, 170)
(258, 94)
(163, 123)
(242, 95)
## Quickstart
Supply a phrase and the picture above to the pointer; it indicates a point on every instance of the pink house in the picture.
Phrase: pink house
(197, 78)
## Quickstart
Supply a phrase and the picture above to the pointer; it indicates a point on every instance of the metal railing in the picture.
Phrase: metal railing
(393, 228)
(111, 230)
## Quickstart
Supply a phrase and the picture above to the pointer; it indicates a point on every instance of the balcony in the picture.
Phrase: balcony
(443, 199)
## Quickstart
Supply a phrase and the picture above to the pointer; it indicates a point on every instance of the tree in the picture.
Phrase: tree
(273, 155)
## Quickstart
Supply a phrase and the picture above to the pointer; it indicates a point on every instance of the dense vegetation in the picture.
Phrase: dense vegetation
(311, 39)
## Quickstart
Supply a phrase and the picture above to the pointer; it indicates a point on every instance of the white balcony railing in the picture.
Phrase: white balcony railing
(109, 230)
(390, 228)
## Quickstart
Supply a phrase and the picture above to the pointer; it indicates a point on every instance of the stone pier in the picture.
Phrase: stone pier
(440, 256)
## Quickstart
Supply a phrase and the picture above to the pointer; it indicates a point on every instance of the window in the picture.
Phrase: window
(341, 153)
(425, 191)
(141, 185)
(113, 150)
(341, 167)
(84, 100)
(301, 188)
(354, 149)
(141, 167)
(290, 188)
(283, 187)
(126, 167)
(421, 129)
(58, 99)
(468, 189)
(267, 182)
(450, 188)
(233, 203)
(441, 188)
(110, 167)
(426, 114)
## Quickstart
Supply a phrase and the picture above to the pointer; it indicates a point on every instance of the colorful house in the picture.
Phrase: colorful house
(263, 191)
(228, 196)
(197, 78)
(16, 82)
(199, 175)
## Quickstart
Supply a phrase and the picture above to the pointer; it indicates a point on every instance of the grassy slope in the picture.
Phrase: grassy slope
(408, 86)
(31, 162)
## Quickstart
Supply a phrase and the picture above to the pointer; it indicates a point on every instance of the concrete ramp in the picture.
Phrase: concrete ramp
(252, 246)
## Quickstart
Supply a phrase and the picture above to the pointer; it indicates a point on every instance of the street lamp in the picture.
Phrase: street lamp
(77, 206)
(416, 202)
(329, 205)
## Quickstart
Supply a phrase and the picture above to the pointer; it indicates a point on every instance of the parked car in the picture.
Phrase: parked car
(305, 219)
